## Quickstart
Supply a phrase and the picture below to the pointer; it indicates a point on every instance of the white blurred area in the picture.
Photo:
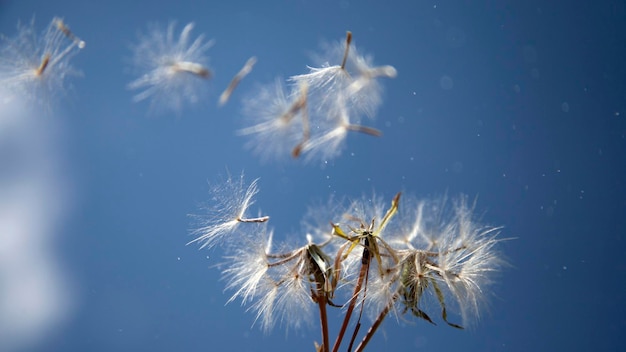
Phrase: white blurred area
(34, 293)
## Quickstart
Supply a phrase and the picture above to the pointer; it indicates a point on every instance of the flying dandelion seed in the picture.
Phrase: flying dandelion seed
(275, 118)
(36, 67)
(173, 70)
(245, 70)
(322, 107)
(327, 81)
(231, 201)
(353, 76)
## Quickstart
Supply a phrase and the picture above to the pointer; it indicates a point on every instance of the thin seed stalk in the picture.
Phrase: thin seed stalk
(372, 330)
(358, 322)
(321, 301)
(367, 256)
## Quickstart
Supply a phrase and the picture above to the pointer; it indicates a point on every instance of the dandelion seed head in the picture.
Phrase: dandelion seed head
(456, 254)
(467, 270)
(172, 68)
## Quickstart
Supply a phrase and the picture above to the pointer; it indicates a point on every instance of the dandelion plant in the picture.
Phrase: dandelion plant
(369, 259)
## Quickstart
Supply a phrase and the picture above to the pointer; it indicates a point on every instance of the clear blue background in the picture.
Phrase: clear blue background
(534, 125)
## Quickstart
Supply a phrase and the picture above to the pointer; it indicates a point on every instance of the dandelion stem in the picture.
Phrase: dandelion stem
(345, 53)
(358, 324)
(365, 260)
(379, 320)
(357, 327)
(321, 301)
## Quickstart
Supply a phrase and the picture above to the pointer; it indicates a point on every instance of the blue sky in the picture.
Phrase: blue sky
(518, 104)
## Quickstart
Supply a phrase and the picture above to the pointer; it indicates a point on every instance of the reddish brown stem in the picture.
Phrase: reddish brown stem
(321, 301)
(358, 322)
(372, 330)
(357, 290)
